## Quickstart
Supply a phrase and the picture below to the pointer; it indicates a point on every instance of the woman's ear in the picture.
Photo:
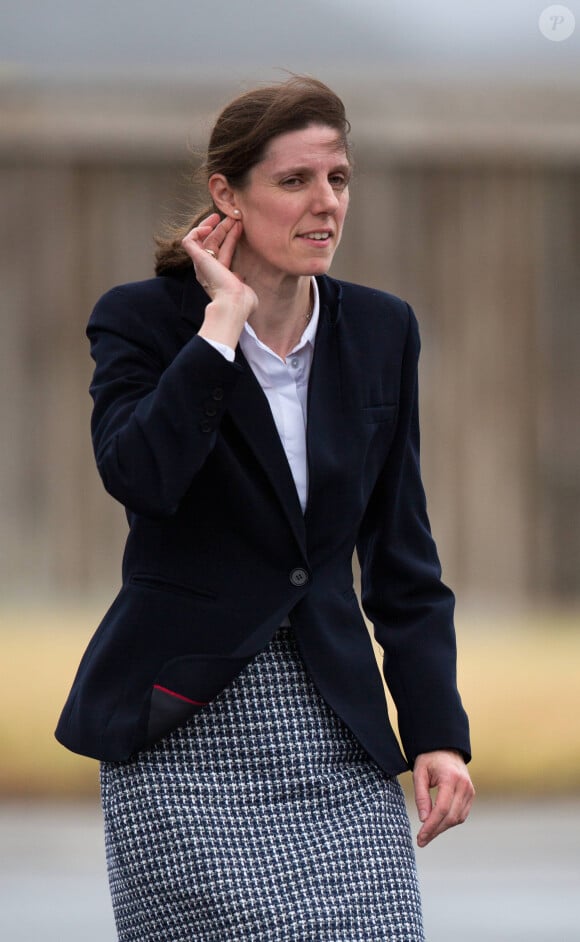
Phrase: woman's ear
(223, 196)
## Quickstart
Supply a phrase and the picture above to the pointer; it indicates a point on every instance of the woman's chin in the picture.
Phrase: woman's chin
(317, 266)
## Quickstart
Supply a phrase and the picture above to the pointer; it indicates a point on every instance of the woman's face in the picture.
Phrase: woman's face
(294, 204)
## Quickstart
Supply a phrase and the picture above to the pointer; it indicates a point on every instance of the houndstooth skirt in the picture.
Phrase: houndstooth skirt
(261, 819)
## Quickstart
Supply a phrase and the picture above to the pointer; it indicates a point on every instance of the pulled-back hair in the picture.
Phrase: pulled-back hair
(239, 140)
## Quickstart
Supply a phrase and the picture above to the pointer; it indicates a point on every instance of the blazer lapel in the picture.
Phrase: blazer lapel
(250, 411)
(328, 428)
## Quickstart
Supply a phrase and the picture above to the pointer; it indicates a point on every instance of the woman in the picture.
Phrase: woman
(258, 420)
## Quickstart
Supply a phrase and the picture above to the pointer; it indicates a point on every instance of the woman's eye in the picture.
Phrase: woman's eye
(292, 181)
(338, 181)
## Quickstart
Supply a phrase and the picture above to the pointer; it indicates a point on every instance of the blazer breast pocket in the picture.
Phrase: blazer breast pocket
(385, 412)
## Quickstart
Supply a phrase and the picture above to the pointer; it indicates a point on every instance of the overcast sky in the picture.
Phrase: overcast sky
(241, 39)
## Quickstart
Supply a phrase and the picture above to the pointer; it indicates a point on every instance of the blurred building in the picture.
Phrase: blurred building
(466, 201)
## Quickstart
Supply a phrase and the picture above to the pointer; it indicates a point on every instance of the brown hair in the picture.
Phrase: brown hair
(240, 137)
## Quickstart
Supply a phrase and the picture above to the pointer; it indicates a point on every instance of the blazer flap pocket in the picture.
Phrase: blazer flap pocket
(184, 686)
(199, 677)
(380, 413)
(167, 711)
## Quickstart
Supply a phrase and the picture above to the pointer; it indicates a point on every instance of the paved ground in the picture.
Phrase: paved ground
(512, 874)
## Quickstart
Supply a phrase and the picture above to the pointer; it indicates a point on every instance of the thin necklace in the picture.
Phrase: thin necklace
(310, 310)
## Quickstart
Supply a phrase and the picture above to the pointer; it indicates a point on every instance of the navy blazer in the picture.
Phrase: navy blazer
(219, 551)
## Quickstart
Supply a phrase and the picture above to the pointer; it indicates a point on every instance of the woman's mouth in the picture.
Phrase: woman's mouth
(320, 236)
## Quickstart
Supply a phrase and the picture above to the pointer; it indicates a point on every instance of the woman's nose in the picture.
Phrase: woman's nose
(325, 198)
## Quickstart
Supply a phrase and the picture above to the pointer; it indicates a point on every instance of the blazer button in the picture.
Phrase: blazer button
(205, 425)
(209, 409)
(217, 393)
(299, 577)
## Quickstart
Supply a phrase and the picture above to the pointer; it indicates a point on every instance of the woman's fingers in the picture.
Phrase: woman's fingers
(222, 239)
(212, 221)
(445, 771)
(231, 235)
(211, 246)
(217, 236)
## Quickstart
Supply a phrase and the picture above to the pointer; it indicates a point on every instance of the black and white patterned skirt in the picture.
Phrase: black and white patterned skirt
(261, 819)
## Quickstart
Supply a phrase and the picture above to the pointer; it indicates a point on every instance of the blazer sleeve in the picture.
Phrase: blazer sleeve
(157, 407)
(402, 593)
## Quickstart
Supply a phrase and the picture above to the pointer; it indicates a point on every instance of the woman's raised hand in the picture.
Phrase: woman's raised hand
(218, 238)
(211, 246)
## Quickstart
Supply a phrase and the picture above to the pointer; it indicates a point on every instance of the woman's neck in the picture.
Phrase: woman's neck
(284, 309)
